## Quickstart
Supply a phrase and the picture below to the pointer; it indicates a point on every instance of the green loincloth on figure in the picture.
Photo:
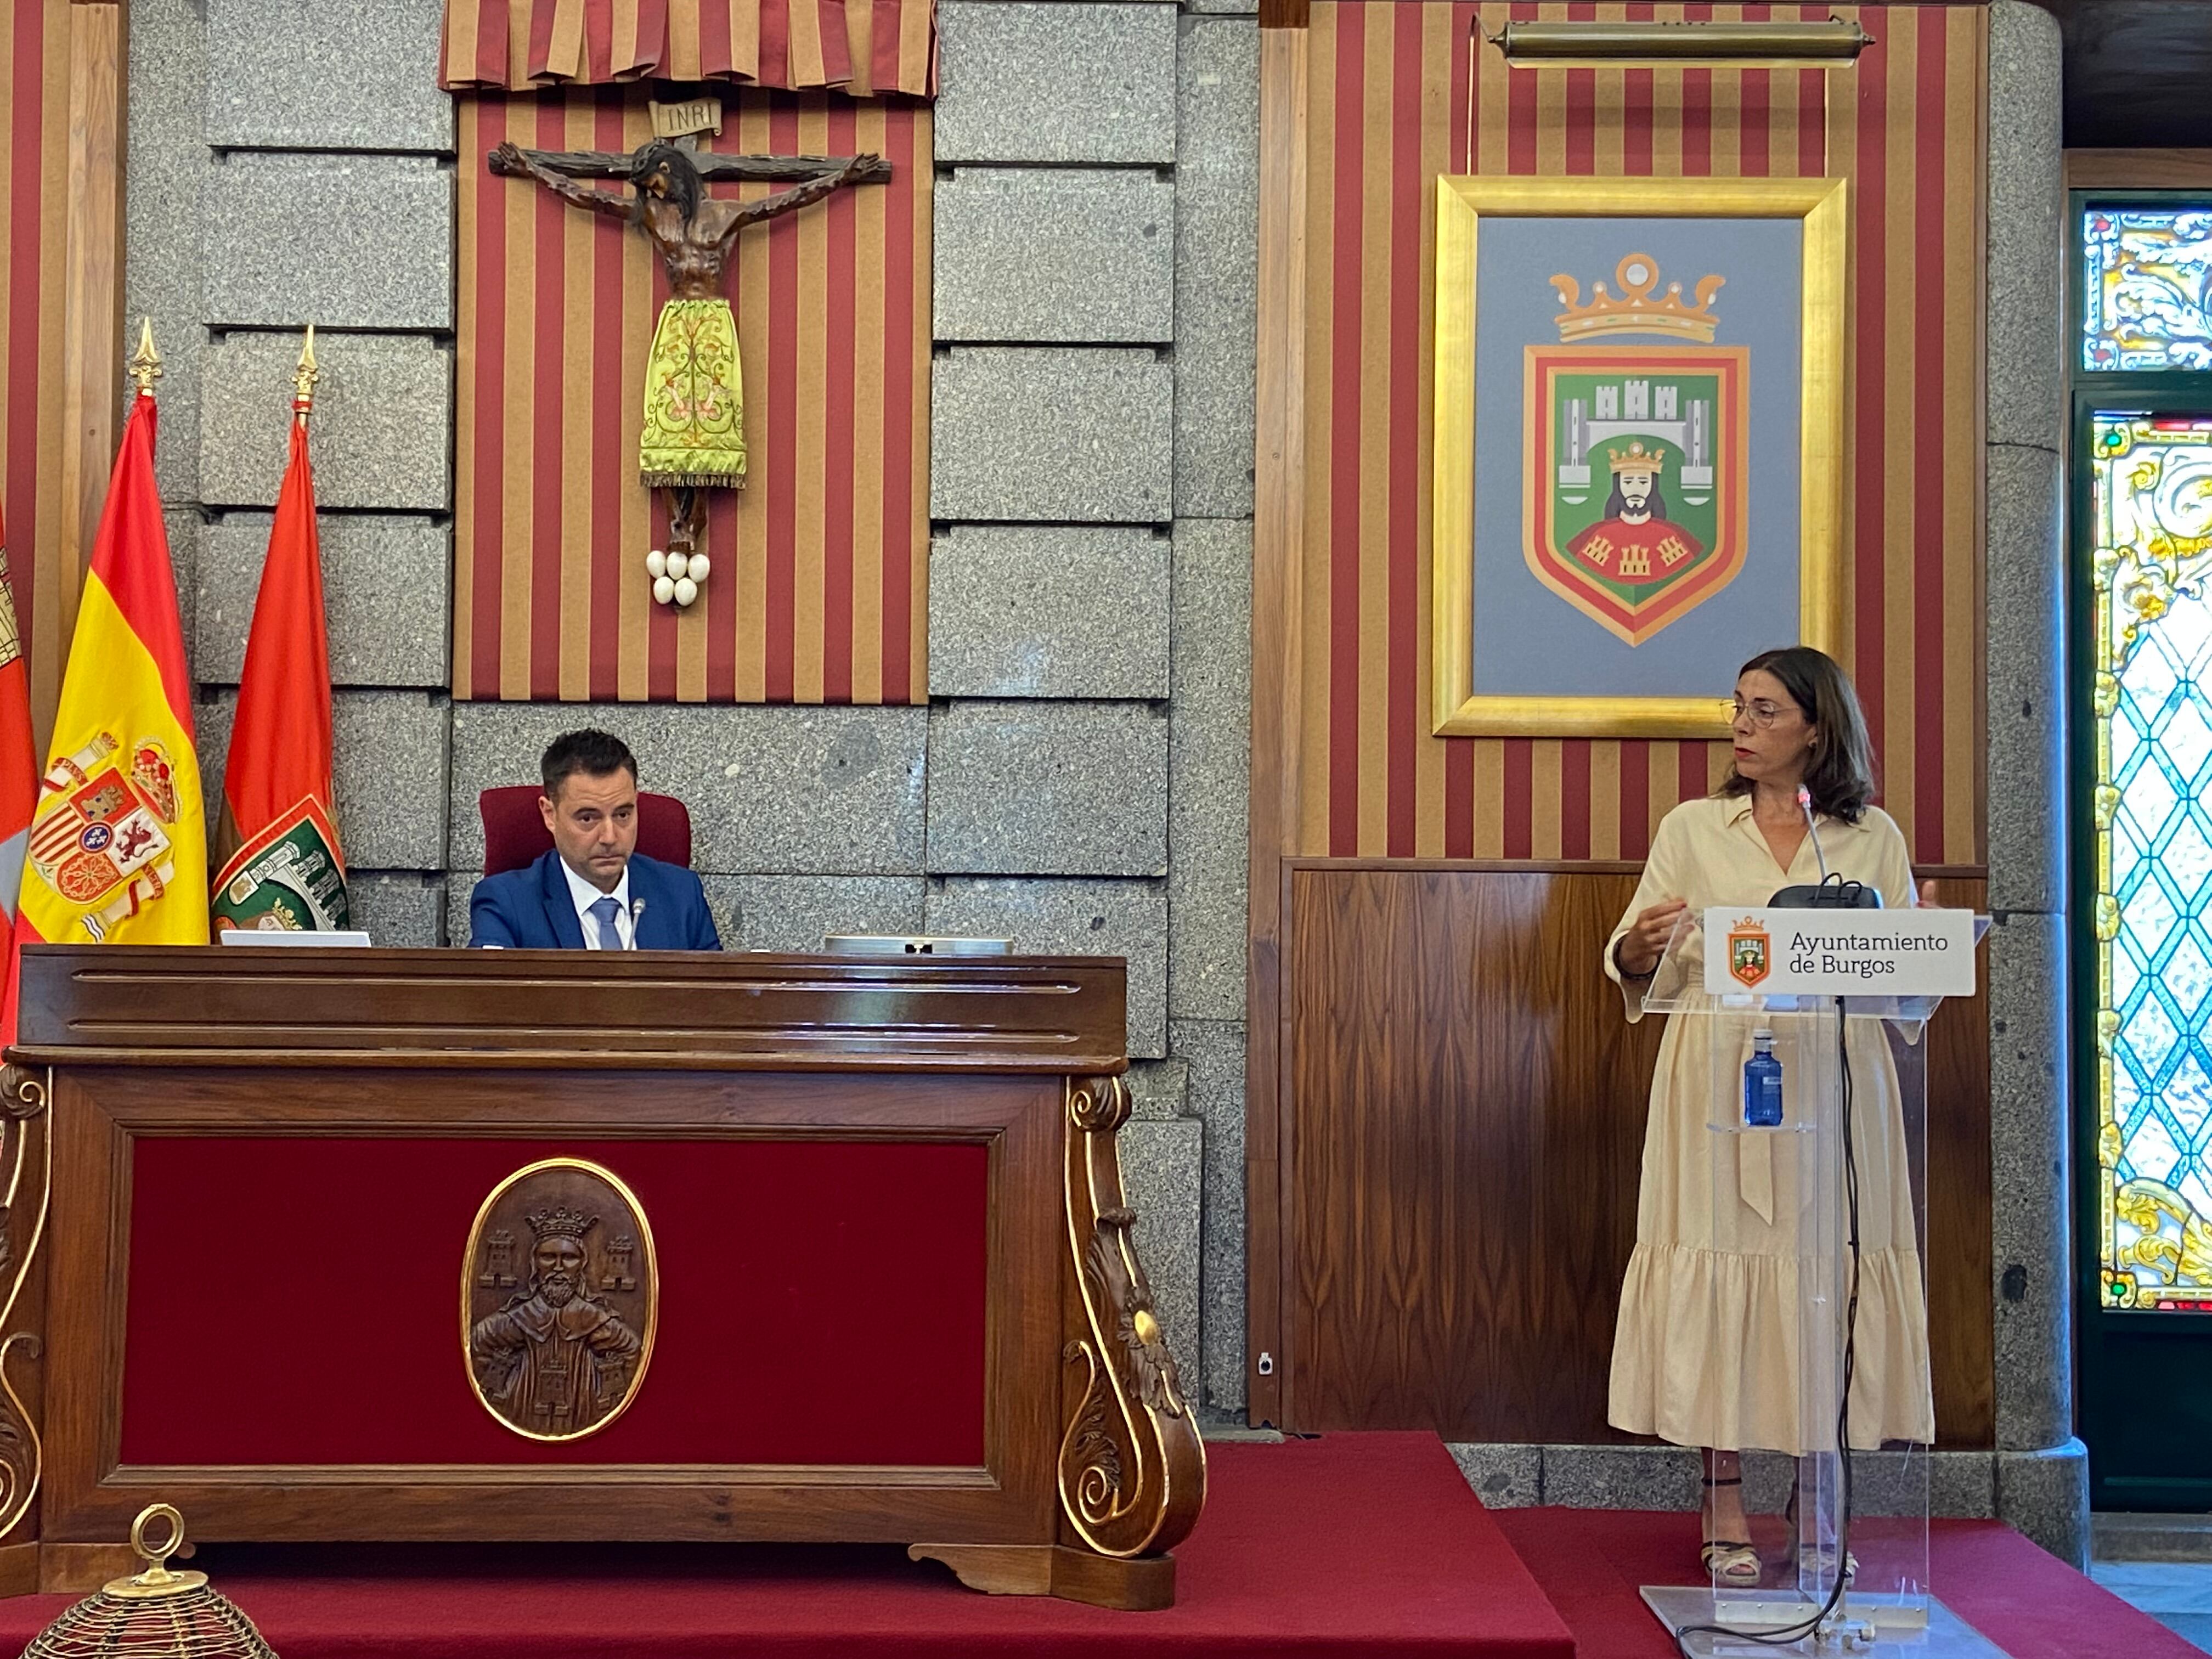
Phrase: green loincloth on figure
(694, 424)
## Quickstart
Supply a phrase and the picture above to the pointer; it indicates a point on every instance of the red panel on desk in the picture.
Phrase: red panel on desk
(297, 1301)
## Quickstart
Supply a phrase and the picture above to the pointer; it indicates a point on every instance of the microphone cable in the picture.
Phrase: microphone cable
(1790, 1635)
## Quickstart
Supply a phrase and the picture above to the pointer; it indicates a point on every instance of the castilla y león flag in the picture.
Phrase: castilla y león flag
(118, 846)
(280, 865)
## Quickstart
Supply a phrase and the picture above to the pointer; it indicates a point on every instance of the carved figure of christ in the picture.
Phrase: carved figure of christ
(693, 432)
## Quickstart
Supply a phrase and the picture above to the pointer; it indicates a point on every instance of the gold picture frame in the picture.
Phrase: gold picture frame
(1462, 203)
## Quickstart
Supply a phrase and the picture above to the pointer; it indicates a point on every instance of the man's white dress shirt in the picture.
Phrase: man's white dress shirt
(585, 896)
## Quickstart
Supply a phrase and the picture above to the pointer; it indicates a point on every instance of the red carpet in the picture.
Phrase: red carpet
(1590, 1563)
(1353, 1544)
(1356, 1545)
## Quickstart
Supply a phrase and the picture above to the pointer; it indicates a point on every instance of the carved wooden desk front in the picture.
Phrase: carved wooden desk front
(402, 1245)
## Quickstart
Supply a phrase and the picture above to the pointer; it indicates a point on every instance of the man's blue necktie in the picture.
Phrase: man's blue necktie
(606, 910)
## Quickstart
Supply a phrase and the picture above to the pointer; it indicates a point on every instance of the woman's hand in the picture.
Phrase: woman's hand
(1923, 896)
(1646, 942)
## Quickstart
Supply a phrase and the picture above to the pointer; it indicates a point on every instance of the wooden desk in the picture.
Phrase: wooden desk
(890, 1290)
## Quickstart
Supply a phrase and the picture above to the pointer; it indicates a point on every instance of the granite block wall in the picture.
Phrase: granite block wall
(1090, 587)
(1076, 783)
(291, 162)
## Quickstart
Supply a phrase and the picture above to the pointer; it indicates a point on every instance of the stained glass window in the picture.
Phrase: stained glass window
(2152, 709)
(2147, 299)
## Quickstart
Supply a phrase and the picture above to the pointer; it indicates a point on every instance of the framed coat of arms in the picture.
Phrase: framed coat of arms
(1638, 446)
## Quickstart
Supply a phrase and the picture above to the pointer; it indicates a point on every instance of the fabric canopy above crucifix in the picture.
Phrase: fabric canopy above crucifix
(863, 48)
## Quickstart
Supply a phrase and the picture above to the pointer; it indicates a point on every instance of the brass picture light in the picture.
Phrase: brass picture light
(1734, 45)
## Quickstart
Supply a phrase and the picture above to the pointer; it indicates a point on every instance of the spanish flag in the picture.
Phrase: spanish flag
(118, 846)
(278, 862)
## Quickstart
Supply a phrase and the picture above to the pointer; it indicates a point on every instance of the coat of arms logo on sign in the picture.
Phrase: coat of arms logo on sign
(1637, 490)
(1748, 952)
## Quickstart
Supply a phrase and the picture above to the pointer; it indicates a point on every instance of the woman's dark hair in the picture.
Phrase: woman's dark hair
(683, 184)
(1840, 773)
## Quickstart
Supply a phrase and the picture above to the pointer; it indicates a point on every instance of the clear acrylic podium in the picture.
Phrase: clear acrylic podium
(1782, 1304)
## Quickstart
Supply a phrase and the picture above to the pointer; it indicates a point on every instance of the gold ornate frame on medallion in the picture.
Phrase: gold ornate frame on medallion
(1462, 203)
(558, 1179)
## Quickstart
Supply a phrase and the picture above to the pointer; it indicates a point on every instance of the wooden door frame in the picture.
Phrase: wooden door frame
(1278, 669)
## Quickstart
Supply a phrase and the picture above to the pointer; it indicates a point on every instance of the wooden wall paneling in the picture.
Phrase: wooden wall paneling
(1469, 1110)
(1961, 1246)
(1465, 1111)
(2138, 169)
(92, 309)
(1278, 560)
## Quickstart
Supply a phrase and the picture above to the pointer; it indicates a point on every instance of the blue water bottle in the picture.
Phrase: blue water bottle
(1762, 1084)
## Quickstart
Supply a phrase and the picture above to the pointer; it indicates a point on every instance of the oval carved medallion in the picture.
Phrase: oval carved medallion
(559, 1298)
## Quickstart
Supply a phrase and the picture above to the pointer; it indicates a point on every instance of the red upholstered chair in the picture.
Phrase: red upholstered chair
(515, 832)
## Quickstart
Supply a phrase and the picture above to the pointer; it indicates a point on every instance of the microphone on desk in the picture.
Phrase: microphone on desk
(637, 910)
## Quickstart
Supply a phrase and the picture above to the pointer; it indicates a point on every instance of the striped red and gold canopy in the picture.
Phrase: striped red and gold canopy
(861, 48)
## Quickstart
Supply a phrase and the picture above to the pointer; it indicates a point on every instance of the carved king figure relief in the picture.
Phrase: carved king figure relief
(559, 1294)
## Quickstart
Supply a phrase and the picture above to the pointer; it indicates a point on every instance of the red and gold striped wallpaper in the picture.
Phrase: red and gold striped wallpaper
(1395, 97)
(819, 564)
(34, 61)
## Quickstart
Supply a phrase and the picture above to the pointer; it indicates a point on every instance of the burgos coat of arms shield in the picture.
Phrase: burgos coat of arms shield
(1636, 493)
(1748, 945)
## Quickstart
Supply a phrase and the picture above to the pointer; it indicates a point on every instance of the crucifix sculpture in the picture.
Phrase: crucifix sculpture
(693, 434)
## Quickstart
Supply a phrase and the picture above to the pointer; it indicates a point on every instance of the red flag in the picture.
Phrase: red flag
(19, 782)
(278, 861)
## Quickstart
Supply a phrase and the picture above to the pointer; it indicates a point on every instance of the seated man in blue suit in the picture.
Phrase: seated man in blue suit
(594, 890)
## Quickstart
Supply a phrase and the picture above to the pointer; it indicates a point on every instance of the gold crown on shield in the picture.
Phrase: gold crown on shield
(1639, 308)
(1637, 459)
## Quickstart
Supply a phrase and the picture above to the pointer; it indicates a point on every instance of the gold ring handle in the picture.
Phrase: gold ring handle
(155, 1555)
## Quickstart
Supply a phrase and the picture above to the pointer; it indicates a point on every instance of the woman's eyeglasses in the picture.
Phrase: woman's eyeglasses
(1761, 713)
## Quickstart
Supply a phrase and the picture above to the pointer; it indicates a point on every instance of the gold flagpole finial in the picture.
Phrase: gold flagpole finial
(304, 377)
(145, 363)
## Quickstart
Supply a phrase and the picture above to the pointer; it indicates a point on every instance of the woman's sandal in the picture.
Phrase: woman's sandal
(1727, 1563)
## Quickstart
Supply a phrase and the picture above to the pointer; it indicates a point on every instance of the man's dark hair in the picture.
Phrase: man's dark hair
(595, 754)
(684, 186)
(1841, 777)
(1617, 503)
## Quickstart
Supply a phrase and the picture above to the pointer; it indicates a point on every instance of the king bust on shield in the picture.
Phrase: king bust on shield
(1635, 500)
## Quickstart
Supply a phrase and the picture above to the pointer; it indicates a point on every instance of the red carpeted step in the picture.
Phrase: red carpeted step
(1591, 1563)
(1353, 1544)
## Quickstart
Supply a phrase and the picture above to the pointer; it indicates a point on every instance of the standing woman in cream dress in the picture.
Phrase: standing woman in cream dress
(1705, 1351)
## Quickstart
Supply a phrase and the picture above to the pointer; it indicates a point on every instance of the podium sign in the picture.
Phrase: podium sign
(1771, 952)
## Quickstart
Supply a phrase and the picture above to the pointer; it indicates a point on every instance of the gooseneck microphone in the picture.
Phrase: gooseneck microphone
(1831, 892)
(637, 910)
(1805, 806)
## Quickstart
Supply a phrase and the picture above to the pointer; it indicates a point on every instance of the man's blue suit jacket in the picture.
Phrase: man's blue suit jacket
(532, 909)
